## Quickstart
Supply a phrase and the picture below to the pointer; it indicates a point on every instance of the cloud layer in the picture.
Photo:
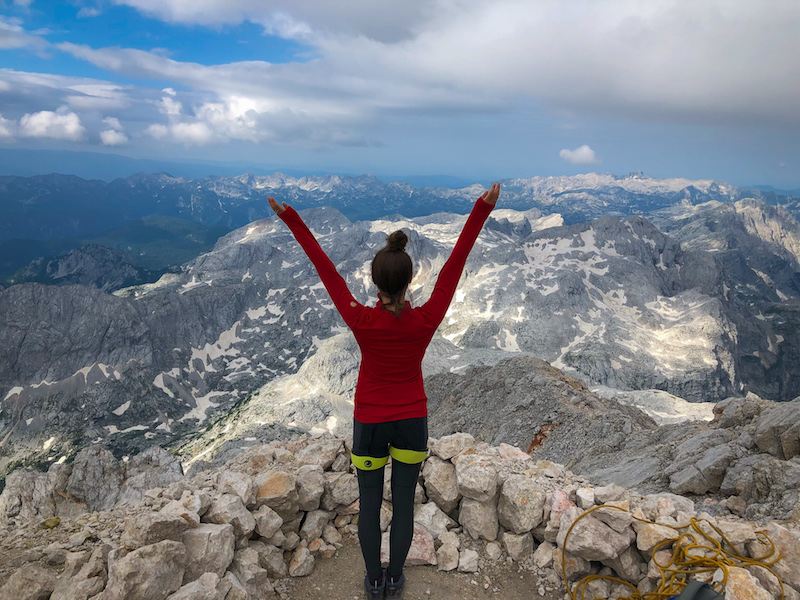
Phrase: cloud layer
(731, 63)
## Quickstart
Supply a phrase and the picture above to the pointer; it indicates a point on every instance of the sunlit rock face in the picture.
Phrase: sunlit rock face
(612, 301)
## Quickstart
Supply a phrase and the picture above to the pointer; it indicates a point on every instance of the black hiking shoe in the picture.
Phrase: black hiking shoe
(394, 589)
(375, 590)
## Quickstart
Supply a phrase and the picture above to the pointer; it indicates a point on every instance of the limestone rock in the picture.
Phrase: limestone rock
(576, 567)
(441, 483)
(248, 571)
(787, 542)
(278, 490)
(150, 528)
(476, 477)
(177, 508)
(447, 557)
(450, 445)
(204, 588)
(272, 560)
(778, 431)
(430, 517)
(618, 518)
(150, 573)
(468, 561)
(30, 582)
(543, 555)
(742, 585)
(479, 518)
(302, 563)
(521, 504)
(310, 486)
(209, 549)
(321, 453)
(649, 535)
(96, 478)
(608, 493)
(556, 505)
(268, 522)
(508, 452)
(314, 523)
(590, 538)
(240, 484)
(229, 508)
(340, 489)
(234, 587)
(584, 498)
(518, 547)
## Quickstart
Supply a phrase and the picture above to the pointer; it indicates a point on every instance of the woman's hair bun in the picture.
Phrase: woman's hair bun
(397, 241)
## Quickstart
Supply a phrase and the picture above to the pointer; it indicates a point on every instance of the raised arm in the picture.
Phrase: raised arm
(337, 287)
(445, 287)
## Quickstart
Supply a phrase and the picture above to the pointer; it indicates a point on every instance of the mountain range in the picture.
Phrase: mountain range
(698, 298)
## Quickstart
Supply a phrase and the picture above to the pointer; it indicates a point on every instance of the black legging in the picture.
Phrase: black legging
(370, 486)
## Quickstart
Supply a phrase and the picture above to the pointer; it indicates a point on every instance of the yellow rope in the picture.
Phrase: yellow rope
(689, 549)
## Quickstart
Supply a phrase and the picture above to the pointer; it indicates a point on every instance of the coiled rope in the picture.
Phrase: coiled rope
(694, 552)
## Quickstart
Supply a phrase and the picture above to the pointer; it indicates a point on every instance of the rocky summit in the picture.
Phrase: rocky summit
(244, 530)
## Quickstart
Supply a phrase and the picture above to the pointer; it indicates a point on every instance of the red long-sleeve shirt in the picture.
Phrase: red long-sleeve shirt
(390, 384)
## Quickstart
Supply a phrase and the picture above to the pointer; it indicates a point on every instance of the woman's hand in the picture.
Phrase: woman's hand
(277, 207)
(492, 195)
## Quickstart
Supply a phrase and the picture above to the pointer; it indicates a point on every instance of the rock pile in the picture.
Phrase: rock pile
(237, 532)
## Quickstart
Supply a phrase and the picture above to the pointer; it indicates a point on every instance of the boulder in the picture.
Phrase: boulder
(314, 523)
(778, 430)
(543, 555)
(209, 549)
(153, 468)
(278, 490)
(555, 506)
(248, 571)
(521, 504)
(468, 561)
(177, 508)
(150, 573)
(616, 515)
(787, 542)
(508, 452)
(479, 518)
(96, 478)
(575, 567)
(584, 497)
(205, 588)
(431, 518)
(153, 527)
(649, 535)
(340, 489)
(321, 453)
(30, 582)
(240, 484)
(451, 445)
(441, 483)
(268, 522)
(476, 477)
(447, 557)
(518, 547)
(272, 560)
(590, 538)
(234, 588)
(229, 508)
(310, 486)
(302, 563)
(628, 565)
(742, 585)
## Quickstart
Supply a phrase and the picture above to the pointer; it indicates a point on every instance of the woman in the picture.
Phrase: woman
(391, 413)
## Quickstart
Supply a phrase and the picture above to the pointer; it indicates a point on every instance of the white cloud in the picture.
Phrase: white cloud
(111, 137)
(113, 122)
(582, 155)
(87, 12)
(6, 128)
(61, 124)
(13, 35)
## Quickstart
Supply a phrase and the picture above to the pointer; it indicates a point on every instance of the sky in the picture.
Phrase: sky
(472, 89)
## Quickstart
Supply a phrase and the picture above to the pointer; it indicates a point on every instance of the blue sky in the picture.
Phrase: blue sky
(473, 89)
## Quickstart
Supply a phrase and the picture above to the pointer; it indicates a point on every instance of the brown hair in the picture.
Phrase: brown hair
(391, 267)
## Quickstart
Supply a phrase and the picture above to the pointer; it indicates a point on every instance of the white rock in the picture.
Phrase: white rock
(468, 561)
(310, 486)
(476, 477)
(447, 557)
(229, 508)
(521, 504)
(441, 484)
(209, 549)
(518, 547)
(585, 498)
(302, 563)
(450, 445)
(431, 517)
(268, 522)
(241, 484)
(479, 518)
